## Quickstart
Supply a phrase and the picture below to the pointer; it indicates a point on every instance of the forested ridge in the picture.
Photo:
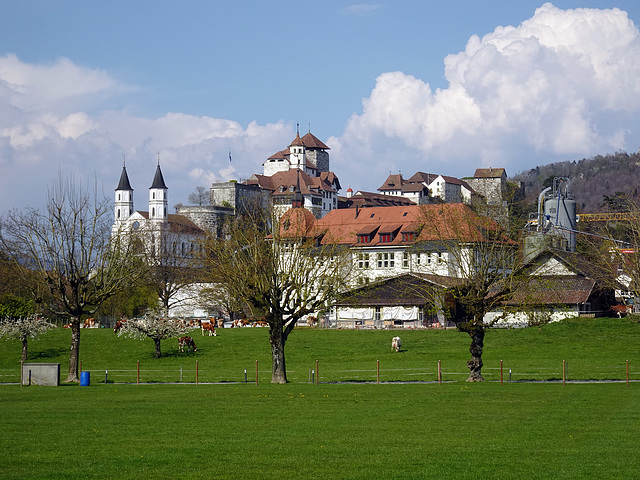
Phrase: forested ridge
(594, 181)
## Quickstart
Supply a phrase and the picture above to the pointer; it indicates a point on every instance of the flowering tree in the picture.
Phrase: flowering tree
(154, 328)
(24, 328)
(67, 251)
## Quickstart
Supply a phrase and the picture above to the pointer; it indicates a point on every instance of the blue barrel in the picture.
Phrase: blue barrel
(85, 379)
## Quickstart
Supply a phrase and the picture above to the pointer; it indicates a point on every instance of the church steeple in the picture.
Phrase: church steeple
(124, 197)
(158, 197)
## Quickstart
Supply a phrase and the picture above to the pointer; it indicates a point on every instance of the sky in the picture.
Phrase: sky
(391, 87)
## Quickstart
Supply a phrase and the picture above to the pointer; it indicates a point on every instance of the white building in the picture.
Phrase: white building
(162, 233)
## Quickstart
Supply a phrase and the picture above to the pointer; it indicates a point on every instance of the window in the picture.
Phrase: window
(364, 238)
(386, 260)
(377, 314)
(386, 237)
(363, 260)
(408, 237)
(405, 260)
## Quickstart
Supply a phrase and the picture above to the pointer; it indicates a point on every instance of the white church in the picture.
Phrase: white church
(163, 234)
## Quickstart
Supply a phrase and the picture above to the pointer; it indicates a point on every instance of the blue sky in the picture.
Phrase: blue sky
(404, 86)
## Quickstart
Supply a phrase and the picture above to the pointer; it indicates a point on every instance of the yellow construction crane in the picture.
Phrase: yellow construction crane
(606, 217)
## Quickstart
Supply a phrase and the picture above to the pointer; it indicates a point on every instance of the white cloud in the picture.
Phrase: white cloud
(48, 122)
(361, 9)
(564, 82)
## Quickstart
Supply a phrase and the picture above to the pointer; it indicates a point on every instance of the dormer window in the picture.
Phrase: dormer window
(408, 236)
(386, 237)
(364, 238)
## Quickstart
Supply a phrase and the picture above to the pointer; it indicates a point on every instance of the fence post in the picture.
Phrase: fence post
(196, 372)
(256, 372)
(439, 372)
(378, 372)
(500, 372)
(627, 373)
(317, 373)
(564, 370)
(138, 374)
(21, 373)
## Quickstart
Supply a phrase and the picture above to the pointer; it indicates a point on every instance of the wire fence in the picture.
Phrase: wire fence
(319, 373)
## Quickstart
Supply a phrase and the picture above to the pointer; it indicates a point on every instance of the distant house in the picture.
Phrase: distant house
(422, 188)
(409, 300)
(552, 286)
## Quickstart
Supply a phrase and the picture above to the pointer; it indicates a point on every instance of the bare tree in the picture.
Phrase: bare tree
(155, 328)
(482, 260)
(24, 328)
(279, 277)
(69, 247)
(200, 196)
(172, 271)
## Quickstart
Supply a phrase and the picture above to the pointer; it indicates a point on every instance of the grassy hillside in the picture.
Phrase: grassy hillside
(348, 431)
(592, 349)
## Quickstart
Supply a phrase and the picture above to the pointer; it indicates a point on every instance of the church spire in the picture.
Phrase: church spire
(158, 202)
(124, 196)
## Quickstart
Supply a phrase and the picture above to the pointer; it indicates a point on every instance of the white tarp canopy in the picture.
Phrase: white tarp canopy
(354, 313)
(400, 313)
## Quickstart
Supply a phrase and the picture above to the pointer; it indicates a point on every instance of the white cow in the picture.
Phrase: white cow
(396, 344)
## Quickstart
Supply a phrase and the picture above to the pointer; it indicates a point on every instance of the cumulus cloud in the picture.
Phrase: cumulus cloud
(564, 82)
(49, 122)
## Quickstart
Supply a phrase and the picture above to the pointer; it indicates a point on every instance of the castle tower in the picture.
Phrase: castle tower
(158, 210)
(124, 198)
(297, 153)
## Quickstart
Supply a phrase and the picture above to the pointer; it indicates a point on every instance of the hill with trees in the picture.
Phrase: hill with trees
(595, 182)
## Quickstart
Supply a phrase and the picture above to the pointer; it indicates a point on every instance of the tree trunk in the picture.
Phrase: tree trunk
(278, 367)
(475, 364)
(74, 356)
(24, 347)
(158, 352)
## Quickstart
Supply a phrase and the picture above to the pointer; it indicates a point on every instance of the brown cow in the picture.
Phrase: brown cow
(209, 327)
(119, 325)
(622, 310)
(187, 342)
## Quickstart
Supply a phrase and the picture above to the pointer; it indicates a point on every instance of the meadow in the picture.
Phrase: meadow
(225, 428)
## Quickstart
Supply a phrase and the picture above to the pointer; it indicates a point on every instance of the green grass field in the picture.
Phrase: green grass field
(350, 431)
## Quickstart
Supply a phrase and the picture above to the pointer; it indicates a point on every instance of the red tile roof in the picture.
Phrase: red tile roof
(439, 222)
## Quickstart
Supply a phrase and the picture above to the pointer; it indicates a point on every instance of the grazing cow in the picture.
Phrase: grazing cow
(240, 322)
(66, 325)
(187, 342)
(260, 323)
(119, 325)
(396, 344)
(622, 310)
(209, 327)
(90, 323)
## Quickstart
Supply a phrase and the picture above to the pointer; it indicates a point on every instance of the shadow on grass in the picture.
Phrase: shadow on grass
(46, 354)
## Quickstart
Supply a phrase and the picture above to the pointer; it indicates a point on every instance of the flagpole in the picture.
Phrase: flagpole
(229, 166)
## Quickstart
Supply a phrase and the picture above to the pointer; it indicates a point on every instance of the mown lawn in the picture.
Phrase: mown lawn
(357, 430)
(347, 431)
